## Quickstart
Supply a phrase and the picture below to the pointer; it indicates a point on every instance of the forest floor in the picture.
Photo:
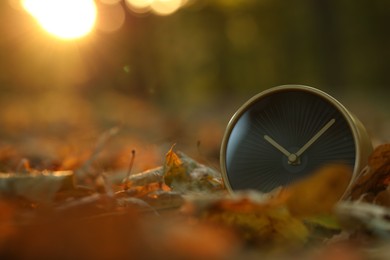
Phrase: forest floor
(105, 210)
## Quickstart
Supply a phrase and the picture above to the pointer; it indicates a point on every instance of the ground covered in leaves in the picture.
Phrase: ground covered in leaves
(180, 210)
(71, 190)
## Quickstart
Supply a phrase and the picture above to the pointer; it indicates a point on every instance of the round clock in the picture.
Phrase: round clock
(284, 134)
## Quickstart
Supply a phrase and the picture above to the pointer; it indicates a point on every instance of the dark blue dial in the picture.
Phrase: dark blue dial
(282, 137)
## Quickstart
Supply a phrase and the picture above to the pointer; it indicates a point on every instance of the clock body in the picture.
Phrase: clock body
(286, 133)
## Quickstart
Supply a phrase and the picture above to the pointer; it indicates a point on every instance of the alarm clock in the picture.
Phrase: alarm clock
(286, 133)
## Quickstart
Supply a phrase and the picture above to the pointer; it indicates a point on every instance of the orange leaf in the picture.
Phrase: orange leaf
(174, 168)
(260, 223)
(171, 158)
(142, 191)
(317, 194)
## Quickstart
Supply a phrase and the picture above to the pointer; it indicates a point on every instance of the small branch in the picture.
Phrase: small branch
(130, 164)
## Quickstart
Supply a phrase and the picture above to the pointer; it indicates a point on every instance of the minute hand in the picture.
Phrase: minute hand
(315, 137)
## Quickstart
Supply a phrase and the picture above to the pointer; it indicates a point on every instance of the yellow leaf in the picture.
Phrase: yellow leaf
(174, 168)
(171, 158)
(318, 193)
(326, 221)
(266, 225)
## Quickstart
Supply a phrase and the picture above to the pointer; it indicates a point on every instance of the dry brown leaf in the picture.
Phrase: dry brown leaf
(364, 219)
(264, 224)
(380, 158)
(141, 191)
(162, 199)
(36, 186)
(375, 177)
(317, 194)
(174, 168)
(383, 198)
(171, 158)
(181, 173)
(144, 178)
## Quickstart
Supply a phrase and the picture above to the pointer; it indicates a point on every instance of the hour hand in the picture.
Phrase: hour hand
(277, 146)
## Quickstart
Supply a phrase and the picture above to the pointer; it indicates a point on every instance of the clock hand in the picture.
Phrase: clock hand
(315, 137)
(276, 145)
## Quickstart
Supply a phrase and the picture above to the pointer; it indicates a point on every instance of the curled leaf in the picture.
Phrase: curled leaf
(174, 168)
(375, 177)
(181, 173)
(144, 178)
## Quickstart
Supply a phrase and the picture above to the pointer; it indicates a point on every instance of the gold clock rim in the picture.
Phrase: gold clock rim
(361, 138)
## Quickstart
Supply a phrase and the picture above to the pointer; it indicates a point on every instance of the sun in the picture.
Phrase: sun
(65, 19)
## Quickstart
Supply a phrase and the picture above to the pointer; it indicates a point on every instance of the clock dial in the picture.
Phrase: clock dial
(282, 137)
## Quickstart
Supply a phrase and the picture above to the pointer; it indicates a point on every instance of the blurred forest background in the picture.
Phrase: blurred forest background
(180, 77)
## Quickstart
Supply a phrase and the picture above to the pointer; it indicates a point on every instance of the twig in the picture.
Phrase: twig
(130, 165)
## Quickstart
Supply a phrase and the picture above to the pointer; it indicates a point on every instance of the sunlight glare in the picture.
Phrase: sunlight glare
(141, 4)
(66, 19)
(165, 7)
(160, 7)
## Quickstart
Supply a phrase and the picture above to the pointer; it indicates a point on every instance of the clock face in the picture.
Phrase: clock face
(283, 136)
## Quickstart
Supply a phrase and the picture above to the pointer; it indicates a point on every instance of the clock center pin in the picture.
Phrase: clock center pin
(293, 159)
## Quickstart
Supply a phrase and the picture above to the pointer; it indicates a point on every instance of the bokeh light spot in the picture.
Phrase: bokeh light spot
(65, 19)
(141, 4)
(165, 7)
(111, 17)
(160, 7)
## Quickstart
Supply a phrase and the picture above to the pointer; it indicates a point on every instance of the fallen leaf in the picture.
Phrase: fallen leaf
(380, 158)
(374, 178)
(141, 191)
(174, 170)
(383, 198)
(327, 221)
(161, 199)
(260, 223)
(181, 173)
(201, 177)
(144, 178)
(37, 186)
(317, 194)
(361, 216)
